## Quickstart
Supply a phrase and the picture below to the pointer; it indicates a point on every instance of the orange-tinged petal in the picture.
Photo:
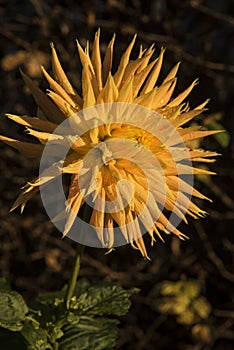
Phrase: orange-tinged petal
(180, 98)
(153, 76)
(123, 63)
(61, 77)
(31, 150)
(59, 90)
(49, 109)
(34, 123)
(107, 62)
(96, 59)
(109, 93)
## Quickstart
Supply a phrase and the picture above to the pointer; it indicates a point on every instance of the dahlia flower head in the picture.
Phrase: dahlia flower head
(125, 144)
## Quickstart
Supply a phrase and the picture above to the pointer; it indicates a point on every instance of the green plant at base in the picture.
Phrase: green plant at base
(79, 316)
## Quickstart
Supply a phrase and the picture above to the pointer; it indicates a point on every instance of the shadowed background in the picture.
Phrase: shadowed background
(198, 314)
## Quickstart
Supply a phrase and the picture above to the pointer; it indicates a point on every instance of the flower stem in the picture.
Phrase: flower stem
(74, 274)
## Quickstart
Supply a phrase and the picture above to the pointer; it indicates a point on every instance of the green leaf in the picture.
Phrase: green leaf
(12, 310)
(222, 138)
(90, 333)
(105, 298)
(50, 297)
(35, 336)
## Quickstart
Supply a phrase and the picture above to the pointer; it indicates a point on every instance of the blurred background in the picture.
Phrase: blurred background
(186, 298)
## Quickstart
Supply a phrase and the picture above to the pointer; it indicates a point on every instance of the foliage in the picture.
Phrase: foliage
(91, 321)
(183, 300)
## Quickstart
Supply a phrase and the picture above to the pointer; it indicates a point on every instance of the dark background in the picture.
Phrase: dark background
(32, 255)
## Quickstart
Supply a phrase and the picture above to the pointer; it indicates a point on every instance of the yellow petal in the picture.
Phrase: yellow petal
(109, 225)
(59, 90)
(140, 78)
(191, 134)
(109, 93)
(172, 73)
(107, 62)
(123, 63)
(201, 106)
(84, 57)
(96, 59)
(49, 109)
(87, 89)
(61, 76)
(64, 106)
(153, 77)
(35, 123)
(147, 56)
(126, 92)
(24, 197)
(31, 150)
(186, 117)
(146, 100)
(132, 68)
(161, 93)
(180, 98)
(73, 204)
(141, 246)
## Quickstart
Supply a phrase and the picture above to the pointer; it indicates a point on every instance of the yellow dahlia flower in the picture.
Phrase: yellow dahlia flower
(134, 84)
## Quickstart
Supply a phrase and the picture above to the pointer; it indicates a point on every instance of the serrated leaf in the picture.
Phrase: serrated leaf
(12, 310)
(105, 299)
(90, 333)
(35, 336)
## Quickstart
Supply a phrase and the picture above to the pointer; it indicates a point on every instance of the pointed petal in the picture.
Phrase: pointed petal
(64, 106)
(59, 90)
(31, 150)
(180, 98)
(126, 92)
(186, 117)
(123, 63)
(61, 76)
(73, 204)
(147, 56)
(141, 246)
(132, 68)
(109, 93)
(140, 78)
(172, 73)
(161, 93)
(191, 134)
(35, 123)
(201, 106)
(49, 109)
(107, 62)
(24, 197)
(96, 59)
(84, 57)
(87, 89)
(153, 77)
